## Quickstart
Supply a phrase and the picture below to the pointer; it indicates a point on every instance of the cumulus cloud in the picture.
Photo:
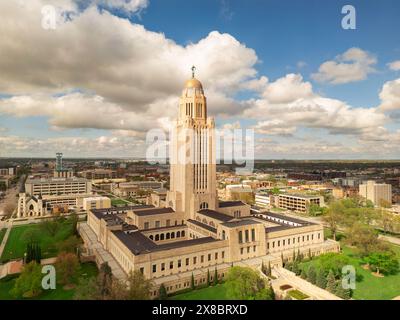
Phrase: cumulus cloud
(289, 103)
(288, 89)
(390, 96)
(353, 65)
(395, 65)
(123, 63)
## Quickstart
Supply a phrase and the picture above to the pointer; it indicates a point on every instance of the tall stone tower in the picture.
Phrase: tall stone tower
(192, 154)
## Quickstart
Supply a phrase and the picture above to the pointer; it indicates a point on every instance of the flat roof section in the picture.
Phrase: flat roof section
(151, 212)
(239, 223)
(202, 225)
(225, 204)
(215, 215)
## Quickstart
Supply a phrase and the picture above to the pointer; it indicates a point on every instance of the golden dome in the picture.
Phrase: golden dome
(193, 83)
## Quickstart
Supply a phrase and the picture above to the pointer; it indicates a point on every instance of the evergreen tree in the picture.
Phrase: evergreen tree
(192, 286)
(208, 278)
(296, 269)
(269, 269)
(162, 293)
(263, 267)
(321, 279)
(283, 260)
(309, 254)
(312, 274)
(215, 277)
(331, 282)
(339, 291)
(294, 256)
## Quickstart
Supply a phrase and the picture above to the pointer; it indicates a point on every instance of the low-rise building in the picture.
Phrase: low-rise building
(298, 202)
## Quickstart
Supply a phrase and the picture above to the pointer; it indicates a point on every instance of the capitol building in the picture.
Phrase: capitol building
(187, 230)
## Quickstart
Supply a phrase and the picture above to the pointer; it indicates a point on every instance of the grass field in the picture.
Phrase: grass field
(298, 295)
(87, 270)
(16, 246)
(370, 287)
(2, 233)
(219, 292)
(118, 202)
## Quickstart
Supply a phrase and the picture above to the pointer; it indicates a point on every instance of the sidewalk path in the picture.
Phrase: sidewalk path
(3, 243)
(287, 277)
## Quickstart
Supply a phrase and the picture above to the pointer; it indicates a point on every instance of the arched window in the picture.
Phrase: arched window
(172, 235)
(162, 236)
(157, 237)
(167, 236)
(151, 237)
(223, 234)
(204, 221)
(178, 234)
(198, 219)
(203, 205)
(183, 233)
(212, 224)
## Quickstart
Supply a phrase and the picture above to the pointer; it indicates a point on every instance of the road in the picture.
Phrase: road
(11, 196)
(387, 238)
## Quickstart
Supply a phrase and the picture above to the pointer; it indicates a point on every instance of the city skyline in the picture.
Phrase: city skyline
(308, 92)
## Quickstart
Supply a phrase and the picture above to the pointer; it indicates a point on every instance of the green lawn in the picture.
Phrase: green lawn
(118, 202)
(16, 247)
(219, 292)
(297, 294)
(87, 270)
(2, 233)
(370, 287)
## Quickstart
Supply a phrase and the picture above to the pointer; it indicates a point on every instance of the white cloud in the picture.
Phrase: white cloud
(123, 63)
(390, 96)
(289, 103)
(353, 65)
(395, 65)
(288, 89)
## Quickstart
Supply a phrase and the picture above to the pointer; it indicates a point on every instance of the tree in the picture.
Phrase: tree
(246, 284)
(321, 279)
(385, 262)
(162, 293)
(215, 277)
(303, 274)
(333, 217)
(331, 282)
(332, 262)
(51, 227)
(74, 222)
(67, 266)
(363, 236)
(33, 252)
(88, 289)
(208, 278)
(341, 292)
(69, 245)
(296, 268)
(29, 283)
(138, 286)
(312, 274)
(106, 279)
(192, 286)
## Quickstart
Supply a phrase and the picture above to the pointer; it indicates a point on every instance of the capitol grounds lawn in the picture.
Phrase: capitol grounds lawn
(116, 202)
(6, 284)
(16, 246)
(218, 292)
(369, 287)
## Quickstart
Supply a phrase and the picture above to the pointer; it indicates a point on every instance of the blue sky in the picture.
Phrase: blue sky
(276, 39)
